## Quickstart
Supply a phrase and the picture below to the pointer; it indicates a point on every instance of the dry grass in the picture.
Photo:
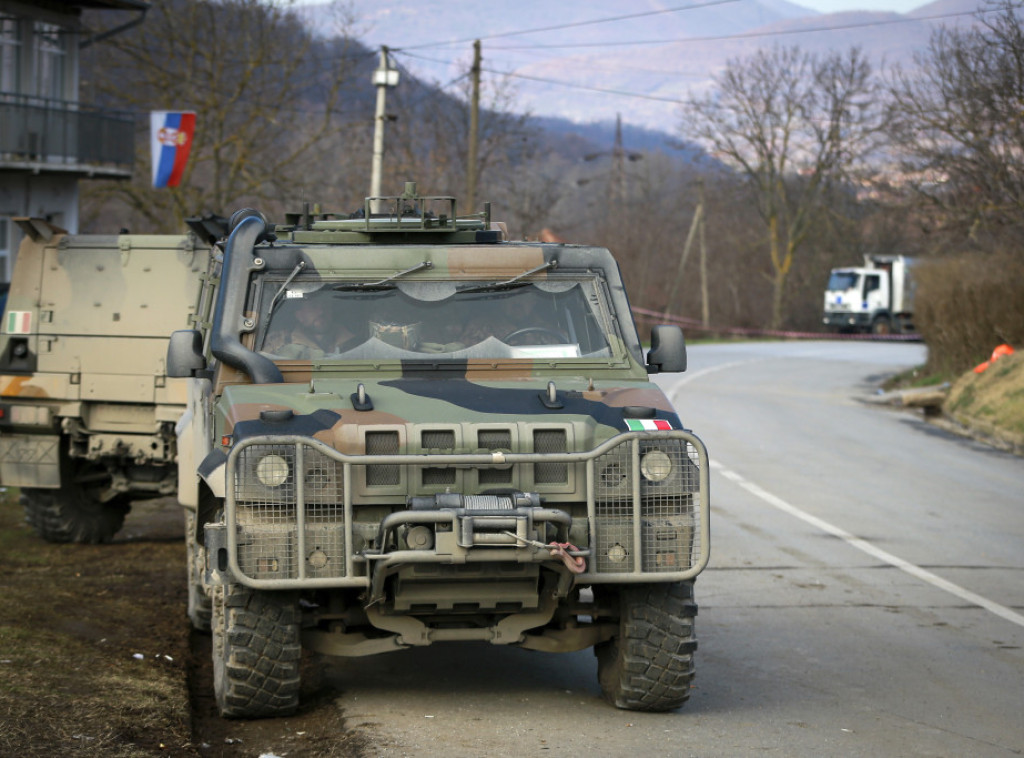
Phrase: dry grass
(967, 305)
(992, 403)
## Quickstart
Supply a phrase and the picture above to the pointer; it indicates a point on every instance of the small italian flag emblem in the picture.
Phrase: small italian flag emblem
(19, 322)
(647, 424)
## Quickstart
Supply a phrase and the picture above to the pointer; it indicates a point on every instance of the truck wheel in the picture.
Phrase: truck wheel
(74, 512)
(256, 652)
(200, 607)
(649, 665)
(881, 325)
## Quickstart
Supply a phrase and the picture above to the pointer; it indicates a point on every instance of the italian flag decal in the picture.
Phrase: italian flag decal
(647, 424)
(19, 322)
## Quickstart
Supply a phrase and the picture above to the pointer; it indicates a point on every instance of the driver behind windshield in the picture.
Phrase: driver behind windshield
(520, 318)
(308, 328)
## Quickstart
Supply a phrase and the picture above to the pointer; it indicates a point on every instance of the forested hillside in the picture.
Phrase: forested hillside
(843, 159)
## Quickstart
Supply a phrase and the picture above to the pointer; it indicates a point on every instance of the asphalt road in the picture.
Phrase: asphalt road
(865, 595)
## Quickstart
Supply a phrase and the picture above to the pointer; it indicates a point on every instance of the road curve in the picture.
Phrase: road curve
(864, 595)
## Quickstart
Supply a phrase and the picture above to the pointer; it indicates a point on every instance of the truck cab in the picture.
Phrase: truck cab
(876, 298)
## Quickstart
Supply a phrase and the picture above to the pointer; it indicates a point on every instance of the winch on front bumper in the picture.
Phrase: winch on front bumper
(300, 514)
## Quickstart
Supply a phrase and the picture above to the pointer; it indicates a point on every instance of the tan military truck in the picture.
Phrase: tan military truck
(87, 412)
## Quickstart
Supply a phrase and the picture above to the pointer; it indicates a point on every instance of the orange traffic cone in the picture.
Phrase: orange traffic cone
(998, 353)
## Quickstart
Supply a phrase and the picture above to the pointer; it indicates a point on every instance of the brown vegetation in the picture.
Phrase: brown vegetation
(991, 404)
(967, 305)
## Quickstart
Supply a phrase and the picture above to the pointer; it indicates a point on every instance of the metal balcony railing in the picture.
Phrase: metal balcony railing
(59, 134)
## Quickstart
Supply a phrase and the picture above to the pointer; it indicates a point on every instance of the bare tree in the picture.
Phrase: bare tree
(429, 140)
(792, 124)
(957, 121)
(264, 91)
(528, 194)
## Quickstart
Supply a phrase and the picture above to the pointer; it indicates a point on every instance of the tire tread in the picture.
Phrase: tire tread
(256, 665)
(649, 667)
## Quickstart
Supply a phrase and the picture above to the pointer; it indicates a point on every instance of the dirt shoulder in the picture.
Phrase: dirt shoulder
(93, 645)
(97, 656)
(987, 407)
(991, 404)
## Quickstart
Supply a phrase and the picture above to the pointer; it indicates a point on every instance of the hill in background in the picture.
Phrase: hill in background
(671, 53)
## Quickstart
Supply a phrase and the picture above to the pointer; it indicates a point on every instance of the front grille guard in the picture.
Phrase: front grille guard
(624, 509)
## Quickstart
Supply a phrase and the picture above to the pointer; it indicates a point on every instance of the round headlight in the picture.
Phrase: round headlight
(656, 466)
(272, 470)
(617, 553)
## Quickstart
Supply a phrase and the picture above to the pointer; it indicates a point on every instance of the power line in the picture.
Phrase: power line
(675, 100)
(567, 26)
(589, 67)
(549, 81)
(743, 35)
(748, 35)
(400, 52)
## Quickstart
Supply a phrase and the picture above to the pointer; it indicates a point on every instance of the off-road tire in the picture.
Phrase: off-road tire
(72, 514)
(649, 665)
(200, 606)
(256, 652)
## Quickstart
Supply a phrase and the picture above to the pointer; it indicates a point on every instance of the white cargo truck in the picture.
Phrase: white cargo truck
(876, 298)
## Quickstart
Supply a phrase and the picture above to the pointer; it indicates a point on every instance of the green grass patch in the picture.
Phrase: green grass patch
(919, 376)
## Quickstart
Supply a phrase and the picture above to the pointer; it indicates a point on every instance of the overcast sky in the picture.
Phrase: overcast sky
(835, 6)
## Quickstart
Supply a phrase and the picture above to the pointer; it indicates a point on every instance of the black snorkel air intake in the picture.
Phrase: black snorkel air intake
(250, 227)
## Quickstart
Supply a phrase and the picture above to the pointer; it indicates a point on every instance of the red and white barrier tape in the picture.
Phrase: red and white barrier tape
(643, 314)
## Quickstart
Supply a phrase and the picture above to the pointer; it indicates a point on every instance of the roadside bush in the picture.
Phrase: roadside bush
(966, 305)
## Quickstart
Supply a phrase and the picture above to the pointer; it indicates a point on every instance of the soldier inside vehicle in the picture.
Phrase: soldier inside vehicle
(551, 319)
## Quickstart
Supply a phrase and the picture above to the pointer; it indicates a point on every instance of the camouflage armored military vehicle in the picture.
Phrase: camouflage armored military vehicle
(465, 445)
(87, 412)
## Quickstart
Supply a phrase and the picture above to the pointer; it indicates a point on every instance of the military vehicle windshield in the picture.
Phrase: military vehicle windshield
(554, 319)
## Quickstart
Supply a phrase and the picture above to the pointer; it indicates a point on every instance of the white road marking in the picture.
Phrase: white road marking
(677, 383)
(916, 571)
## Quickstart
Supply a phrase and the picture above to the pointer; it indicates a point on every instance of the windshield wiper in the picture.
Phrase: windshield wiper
(513, 282)
(277, 295)
(382, 284)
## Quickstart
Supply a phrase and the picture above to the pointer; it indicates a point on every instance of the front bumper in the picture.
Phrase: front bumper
(846, 319)
(321, 530)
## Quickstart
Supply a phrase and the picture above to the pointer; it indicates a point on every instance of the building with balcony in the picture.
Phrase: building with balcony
(49, 140)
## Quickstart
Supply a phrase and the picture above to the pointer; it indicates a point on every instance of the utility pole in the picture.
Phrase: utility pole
(383, 77)
(696, 225)
(474, 130)
(617, 185)
(705, 309)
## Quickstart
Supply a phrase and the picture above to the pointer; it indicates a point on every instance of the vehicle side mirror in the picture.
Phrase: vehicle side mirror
(185, 353)
(668, 350)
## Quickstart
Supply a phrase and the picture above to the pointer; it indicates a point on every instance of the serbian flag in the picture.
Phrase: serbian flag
(170, 142)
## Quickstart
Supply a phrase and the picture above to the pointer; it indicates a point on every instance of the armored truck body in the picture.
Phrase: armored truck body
(402, 429)
(87, 412)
